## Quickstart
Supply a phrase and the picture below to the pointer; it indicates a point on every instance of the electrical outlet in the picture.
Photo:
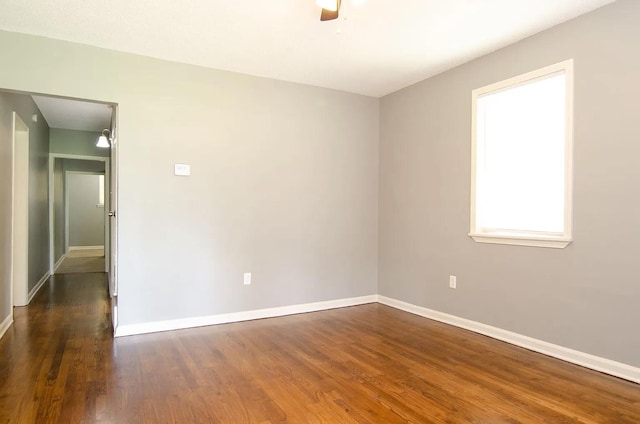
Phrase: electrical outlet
(452, 281)
(247, 278)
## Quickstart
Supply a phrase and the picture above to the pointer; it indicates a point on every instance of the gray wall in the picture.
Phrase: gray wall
(583, 297)
(86, 220)
(284, 180)
(76, 142)
(38, 193)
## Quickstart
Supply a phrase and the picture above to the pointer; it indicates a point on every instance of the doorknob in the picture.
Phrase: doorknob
(112, 213)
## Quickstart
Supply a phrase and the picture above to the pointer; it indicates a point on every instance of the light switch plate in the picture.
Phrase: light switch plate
(453, 283)
(182, 169)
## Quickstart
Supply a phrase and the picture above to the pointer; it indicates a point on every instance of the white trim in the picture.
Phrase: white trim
(57, 264)
(524, 238)
(111, 231)
(14, 128)
(178, 324)
(586, 360)
(52, 254)
(79, 157)
(6, 324)
(72, 248)
(597, 363)
(37, 287)
(556, 243)
(526, 78)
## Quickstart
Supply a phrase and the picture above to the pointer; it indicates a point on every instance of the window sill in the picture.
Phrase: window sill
(521, 240)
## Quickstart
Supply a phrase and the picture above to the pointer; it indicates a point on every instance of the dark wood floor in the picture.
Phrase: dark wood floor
(365, 364)
(82, 264)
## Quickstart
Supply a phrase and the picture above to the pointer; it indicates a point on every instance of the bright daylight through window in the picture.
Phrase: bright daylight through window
(100, 191)
(521, 159)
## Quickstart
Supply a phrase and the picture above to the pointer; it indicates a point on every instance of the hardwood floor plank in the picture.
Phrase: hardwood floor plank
(365, 364)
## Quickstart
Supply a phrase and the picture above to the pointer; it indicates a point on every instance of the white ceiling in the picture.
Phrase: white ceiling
(382, 46)
(74, 114)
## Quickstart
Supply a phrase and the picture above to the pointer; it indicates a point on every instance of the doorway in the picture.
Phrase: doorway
(83, 219)
(30, 152)
(79, 207)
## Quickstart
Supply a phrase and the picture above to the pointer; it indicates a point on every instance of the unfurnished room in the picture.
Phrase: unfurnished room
(320, 211)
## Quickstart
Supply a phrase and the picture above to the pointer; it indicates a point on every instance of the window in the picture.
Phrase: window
(100, 191)
(521, 159)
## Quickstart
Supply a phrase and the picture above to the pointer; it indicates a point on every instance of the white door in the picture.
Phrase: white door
(113, 221)
(20, 217)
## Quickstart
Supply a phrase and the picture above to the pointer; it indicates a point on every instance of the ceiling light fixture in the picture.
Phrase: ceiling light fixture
(103, 140)
(331, 5)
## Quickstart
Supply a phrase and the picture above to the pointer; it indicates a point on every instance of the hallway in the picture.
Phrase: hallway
(53, 357)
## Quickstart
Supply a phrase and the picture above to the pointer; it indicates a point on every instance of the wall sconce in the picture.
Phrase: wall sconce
(103, 140)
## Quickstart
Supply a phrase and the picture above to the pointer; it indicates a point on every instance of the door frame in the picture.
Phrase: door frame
(113, 221)
(114, 178)
(17, 122)
(107, 169)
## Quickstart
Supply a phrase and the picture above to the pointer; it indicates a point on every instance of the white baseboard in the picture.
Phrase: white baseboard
(37, 287)
(5, 325)
(72, 248)
(597, 363)
(57, 264)
(177, 324)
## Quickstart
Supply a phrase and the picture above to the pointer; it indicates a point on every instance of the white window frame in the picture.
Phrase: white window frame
(528, 238)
